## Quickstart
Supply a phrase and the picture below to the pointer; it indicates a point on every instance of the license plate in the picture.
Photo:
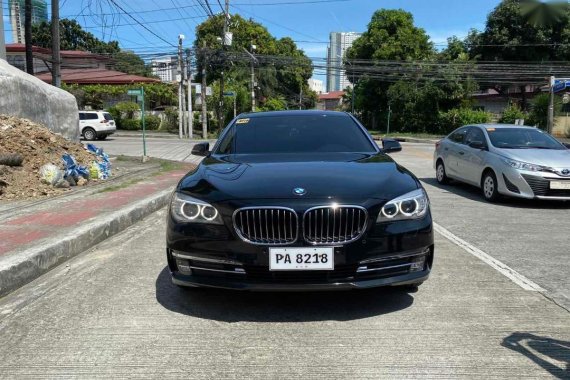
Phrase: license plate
(301, 259)
(560, 185)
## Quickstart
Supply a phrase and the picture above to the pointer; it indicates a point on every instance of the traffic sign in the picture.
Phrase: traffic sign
(134, 92)
(229, 93)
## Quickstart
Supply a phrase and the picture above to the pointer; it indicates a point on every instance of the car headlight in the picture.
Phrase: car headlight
(185, 209)
(525, 166)
(413, 205)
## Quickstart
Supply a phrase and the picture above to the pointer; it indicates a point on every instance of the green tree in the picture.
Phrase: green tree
(524, 30)
(391, 36)
(282, 70)
(73, 37)
(130, 63)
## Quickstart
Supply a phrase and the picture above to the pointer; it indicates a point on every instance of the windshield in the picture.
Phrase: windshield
(522, 138)
(295, 134)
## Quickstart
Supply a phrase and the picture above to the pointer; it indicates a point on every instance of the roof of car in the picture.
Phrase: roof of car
(290, 113)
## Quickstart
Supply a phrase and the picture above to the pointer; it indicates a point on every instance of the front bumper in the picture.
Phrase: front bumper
(387, 255)
(532, 185)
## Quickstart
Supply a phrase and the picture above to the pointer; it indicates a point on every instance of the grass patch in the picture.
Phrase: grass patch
(167, 166)
(121, 186)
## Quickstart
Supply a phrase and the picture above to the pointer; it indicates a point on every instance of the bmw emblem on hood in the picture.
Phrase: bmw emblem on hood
(299, 191)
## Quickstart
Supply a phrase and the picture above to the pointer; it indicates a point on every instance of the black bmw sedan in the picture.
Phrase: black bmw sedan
(298, 200)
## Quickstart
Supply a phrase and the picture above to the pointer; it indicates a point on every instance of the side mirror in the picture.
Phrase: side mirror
(391, 146)
(477, 145)
(201, 149)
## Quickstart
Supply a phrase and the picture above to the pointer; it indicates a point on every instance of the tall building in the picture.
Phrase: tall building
(165, 68)
(338, 45)
(16, 11)
(316, 85)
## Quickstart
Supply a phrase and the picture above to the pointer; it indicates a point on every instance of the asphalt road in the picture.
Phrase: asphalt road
(112, 312)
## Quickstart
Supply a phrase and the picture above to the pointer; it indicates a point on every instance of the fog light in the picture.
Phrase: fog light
(418, 264)
(183, 266)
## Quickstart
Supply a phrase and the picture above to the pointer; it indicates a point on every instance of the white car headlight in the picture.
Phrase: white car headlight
(525, 166)
(413, 205)
(185, 209)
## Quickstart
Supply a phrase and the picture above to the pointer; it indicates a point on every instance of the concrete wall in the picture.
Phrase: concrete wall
(561, 126)
(26, 96)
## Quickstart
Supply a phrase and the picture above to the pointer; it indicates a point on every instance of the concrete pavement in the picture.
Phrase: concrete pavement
(112, 312)
(37, 236)
(529, 236)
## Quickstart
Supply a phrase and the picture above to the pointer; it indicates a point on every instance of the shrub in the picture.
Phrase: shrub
(455, 118)
(171, 122)
(152, 122)
(126, 109)
(512, 113)
(130, 124)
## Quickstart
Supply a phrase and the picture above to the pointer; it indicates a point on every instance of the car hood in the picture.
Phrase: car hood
(559, 159)
(332, 176)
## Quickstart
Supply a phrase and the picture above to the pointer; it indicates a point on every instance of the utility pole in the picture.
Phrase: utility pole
(203, 95)
(253, 60)
(389, 115)
(180, 89)
(225, 32)
(190, 132)
(550, 124)
(2, 41)
(28, 37)
(55, 48)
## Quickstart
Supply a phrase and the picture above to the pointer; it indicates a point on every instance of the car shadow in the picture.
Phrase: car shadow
(238, 306)
(473, 193)
(551, 354)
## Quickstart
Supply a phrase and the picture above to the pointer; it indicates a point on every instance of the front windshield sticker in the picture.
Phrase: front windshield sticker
(490, 129)
(242, 121)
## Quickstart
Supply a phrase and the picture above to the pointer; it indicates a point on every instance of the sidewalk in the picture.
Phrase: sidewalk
(40, 235)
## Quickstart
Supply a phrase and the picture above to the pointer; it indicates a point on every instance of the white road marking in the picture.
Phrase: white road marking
(502, 268)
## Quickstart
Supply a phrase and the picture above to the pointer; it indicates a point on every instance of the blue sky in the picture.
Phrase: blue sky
(306, 21)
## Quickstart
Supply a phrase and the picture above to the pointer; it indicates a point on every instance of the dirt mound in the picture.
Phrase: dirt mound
(38, 146)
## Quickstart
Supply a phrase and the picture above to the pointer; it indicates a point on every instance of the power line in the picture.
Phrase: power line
(141, 24)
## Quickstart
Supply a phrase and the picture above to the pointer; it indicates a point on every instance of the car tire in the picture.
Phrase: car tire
(489, 186)
(89, 134)
(440, 174)
(102, 137)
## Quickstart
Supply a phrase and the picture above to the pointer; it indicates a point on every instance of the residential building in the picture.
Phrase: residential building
(330, 101)
(78, 67)
(16, 10)
(166, 68)
(316, 85)
(339, 43)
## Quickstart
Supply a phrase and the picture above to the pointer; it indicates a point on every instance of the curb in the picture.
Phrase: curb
(21, 268)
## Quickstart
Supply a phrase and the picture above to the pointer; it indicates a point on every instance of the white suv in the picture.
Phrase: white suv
(96, 125)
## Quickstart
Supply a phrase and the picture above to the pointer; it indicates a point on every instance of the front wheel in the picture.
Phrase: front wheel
(440, 174)
(490, 186)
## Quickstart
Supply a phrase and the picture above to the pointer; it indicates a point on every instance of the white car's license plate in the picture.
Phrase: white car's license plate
(301, 259)
(560, 185)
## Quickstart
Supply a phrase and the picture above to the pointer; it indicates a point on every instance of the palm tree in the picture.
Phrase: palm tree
(543, 14)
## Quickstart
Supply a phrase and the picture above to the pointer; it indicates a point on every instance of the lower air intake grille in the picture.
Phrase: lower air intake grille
(541, 187)
(273, 225)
